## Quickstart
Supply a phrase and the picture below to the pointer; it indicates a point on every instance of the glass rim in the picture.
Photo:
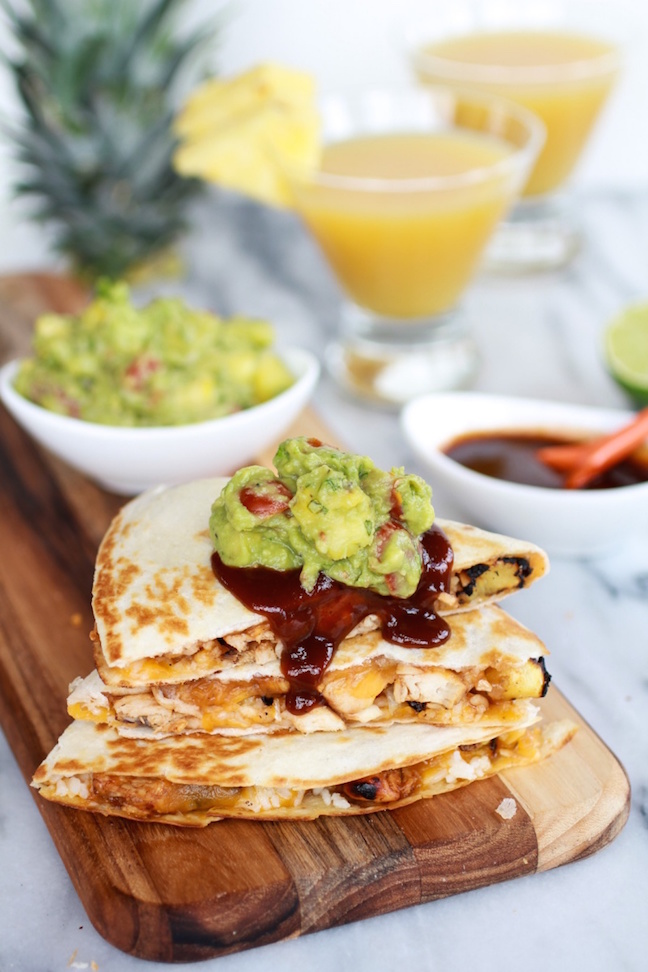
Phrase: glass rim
(605, 63)
(519, 155)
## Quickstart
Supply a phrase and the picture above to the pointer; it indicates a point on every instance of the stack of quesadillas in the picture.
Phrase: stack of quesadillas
(186, 717)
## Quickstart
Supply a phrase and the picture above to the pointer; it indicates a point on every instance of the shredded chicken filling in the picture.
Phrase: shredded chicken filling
(150, 795)
(387, 690)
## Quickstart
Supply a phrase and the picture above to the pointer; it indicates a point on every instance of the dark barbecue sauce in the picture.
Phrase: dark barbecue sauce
(312, 625)
(512, 457)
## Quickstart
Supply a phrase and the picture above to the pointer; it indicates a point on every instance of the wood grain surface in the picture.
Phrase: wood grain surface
(172, 895)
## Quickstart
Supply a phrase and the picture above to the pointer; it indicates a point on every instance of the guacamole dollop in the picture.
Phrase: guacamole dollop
(325, 511)
(162, 364)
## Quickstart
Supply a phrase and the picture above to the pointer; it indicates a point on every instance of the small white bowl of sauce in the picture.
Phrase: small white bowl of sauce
(480, 452)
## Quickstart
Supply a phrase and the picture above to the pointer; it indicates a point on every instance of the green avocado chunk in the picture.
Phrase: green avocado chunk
(325, 511)
(162, 364)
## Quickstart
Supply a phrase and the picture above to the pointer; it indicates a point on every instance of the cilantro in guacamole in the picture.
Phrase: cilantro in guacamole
(325, 510)
(163, 364)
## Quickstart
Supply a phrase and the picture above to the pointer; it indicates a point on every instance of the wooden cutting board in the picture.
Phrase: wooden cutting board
(173, 895)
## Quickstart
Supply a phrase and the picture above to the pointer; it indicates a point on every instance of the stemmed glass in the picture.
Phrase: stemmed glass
(410, 189)
(560, 61)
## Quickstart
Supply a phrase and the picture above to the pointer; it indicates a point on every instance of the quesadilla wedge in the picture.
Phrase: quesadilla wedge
(162, 616)
(192, 780)
(290, 645)
(477, 676)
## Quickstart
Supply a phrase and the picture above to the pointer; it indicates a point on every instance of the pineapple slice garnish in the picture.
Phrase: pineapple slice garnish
(240, 133)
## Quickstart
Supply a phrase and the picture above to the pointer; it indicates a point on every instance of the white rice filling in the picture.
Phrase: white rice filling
(71, 786)
(258, 798)
(471, 769)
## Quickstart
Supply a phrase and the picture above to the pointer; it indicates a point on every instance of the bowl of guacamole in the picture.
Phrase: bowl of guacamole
(134, 397)
(162, 364)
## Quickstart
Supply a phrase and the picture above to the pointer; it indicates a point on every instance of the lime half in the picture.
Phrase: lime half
(626, 351)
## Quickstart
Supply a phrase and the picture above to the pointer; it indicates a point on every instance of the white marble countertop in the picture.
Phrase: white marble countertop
(538, 337)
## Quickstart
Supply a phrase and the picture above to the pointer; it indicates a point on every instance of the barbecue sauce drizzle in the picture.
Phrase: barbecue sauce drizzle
(312, 625)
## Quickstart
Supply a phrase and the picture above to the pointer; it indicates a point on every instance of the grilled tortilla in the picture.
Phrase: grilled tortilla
(189, 719)
(489, 662)
(162, 616)
(192, 780)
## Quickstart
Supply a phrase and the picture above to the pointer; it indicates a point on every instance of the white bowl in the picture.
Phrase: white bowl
(567, 523)
(129, 460)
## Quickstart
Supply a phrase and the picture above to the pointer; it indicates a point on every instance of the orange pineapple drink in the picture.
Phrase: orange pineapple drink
(564, 78)
(403, 218)
(402, 191)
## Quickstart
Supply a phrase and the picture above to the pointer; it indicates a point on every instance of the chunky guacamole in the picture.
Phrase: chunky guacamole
(325, 511)
(163, 364)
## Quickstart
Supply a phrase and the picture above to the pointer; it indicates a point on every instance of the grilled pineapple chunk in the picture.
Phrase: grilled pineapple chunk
(527, 681)
(240, 132)
(483, 580)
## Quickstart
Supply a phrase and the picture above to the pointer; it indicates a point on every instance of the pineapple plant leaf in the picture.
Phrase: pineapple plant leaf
(98, 82)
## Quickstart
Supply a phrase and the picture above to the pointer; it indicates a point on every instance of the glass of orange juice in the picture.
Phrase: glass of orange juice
(556, 59)
(410, 188)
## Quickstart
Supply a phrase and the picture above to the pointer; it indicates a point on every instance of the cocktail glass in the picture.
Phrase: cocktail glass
(559, 60)
(411, 187)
